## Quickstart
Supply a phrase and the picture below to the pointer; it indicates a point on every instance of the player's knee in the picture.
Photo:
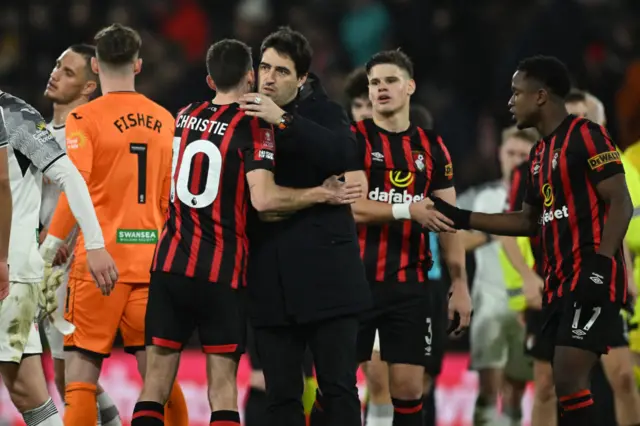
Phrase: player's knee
(622, 381)
(544, 389)
(406, 382)
(377, 378)
(222, 389)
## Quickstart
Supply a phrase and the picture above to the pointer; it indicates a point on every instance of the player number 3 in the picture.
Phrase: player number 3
(180, 184)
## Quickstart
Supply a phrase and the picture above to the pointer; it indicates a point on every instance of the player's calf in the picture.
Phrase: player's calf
(486, 412)
(618, 367)
(544, 411)
(28, 390)
(571, 370)
(406, 385)
(159, 375)
(222, 389)
(379, 406)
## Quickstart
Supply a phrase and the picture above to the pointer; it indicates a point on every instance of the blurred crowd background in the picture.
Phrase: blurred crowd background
(464, 51)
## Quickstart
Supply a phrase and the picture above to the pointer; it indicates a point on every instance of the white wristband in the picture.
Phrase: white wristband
(401, 211)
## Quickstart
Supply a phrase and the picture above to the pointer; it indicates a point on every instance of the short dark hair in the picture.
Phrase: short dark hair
(293, 44)
(117, 45)
(420, 116)
(576, 95)
(357, 85)
(87, 51)
(228, 61)
(394, 57)
(549, 71)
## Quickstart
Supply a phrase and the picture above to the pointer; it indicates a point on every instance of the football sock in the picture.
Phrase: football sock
(379, 415)
(81, 405)
(45, 415)
(148, 413)
(225, 418)
(175, 411)
(109, 414)
(577, 409)
(407, 413)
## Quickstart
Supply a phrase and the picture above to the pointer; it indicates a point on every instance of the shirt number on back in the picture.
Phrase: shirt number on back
(140, 149)
(180, 183)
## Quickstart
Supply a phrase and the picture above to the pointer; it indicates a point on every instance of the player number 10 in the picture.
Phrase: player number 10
(180, 183)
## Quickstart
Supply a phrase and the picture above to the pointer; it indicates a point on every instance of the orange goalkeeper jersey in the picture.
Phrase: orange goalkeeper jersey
(121, 143)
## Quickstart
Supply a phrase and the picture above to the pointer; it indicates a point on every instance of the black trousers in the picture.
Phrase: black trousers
(333, 345)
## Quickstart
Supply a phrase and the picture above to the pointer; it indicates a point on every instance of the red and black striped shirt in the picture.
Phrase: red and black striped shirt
(564, 169)
(401, 168)
(517, 190)
(213, 149)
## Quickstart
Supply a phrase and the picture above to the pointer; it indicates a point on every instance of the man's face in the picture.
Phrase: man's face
(277, 77)
(513, 152)
(68, 78)
(526, 100)
(390, 88)
(361, 108)
(578, 108)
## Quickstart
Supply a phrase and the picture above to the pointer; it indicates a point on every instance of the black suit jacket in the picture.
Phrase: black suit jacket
(308, 267)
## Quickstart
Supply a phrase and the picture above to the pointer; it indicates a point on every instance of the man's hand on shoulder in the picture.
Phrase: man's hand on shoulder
(261, 106)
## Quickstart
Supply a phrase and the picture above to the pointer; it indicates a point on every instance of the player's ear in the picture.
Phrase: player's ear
(137, 66)
(302, 80)
(89, 87)
(411, 87)
(94, 65)
(251, 78)
(543, 97)
(210, 83)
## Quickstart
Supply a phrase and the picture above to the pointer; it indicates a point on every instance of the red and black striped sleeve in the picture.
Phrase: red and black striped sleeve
(442, 177)
(518, 187)
(260, 146)
(598, 152)
(358, 161)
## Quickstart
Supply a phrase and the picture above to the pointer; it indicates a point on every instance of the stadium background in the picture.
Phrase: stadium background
(464, 54)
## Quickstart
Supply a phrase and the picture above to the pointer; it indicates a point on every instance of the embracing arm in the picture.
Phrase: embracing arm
(5, 201)
(266, 196)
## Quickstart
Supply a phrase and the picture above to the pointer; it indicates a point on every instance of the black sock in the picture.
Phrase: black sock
(577, 409)
(317, 417)
(148, 413)
(407, 413)
(255, 412)
(429, 408)
(225, 418)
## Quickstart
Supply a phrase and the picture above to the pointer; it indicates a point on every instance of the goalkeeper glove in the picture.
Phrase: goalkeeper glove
(53, 277)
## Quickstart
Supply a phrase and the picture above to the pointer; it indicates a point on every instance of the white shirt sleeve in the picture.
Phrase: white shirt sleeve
(69, 179)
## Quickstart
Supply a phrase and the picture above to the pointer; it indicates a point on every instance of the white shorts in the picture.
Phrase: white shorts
(18, 328)
(54, 337)
(497, 342)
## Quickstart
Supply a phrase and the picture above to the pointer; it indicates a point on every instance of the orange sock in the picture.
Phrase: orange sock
(81, 406)
(175, 412)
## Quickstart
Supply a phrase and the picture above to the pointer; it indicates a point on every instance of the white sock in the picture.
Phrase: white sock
(485, 415)
(45, 415)
(108, 412)
(379, 415)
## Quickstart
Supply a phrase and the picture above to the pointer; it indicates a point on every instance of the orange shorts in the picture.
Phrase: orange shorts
(97, 318)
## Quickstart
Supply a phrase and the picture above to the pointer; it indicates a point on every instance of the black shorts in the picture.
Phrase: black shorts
(410, 330)
(566, 323)
(178, 305)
